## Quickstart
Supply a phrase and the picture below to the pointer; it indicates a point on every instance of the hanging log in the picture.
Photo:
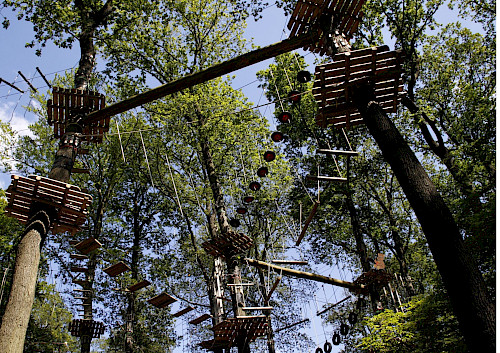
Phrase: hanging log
(306, 275)
(208, 74)
(308, 220)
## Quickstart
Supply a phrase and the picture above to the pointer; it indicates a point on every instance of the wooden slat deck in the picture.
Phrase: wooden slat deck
(308, 12)
(234, 243)
(117, 269)
(336, 81)
(80, 327)
(68, 102)
(69, 202)
(162, 300)
(233, 330)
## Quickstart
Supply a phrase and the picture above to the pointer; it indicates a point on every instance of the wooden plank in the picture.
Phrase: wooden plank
(305, 275)
(273, 288)
(291, 325)
(332, 306)
(117, 269)
(200, 319)
(162, 300)
(307, 222)
(77, 256)
(138, 285)
(324, 178)
(208, 74)
(79, 269)
(88, 245)
(337, 152)
(253, 308)
(183, 311)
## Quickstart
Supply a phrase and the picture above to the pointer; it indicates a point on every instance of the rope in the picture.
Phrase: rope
(3, 283)
(120, 138)
(175, 188)
(147, 161)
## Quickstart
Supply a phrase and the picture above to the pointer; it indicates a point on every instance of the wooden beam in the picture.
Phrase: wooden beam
(301, 274)
(308, 220)
(290, 326)
(332, 306)
(239, 62)
(275, 285)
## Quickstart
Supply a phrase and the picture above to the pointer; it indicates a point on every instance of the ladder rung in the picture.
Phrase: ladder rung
(249, 308)
(325, 178)
(337, 152)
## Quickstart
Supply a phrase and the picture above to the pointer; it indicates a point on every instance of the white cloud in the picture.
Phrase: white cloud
(18, 122)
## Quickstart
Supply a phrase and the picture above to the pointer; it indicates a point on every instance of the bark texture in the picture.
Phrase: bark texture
(465, 286)
(17, 312)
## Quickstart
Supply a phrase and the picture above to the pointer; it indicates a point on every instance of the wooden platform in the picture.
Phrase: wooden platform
(332, 90)
(138, 285)
(117, 269)
(68, 201)
(235, 243)
(308, 13)
(88, 245)
(162, 300)
(83, 327)
(66, 103)
(376, 278)
(231, 331)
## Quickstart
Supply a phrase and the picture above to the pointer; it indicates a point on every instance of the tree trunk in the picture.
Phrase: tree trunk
(17, 312)
(465, 286)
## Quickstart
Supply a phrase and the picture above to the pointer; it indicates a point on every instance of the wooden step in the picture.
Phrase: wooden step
(251, 308)
(78, 256)
(337, 152)
(162, 300)
(183, 311)
(80, 282)
(324, 178)
(200, 319)
(138, 285)
(80, 171)
(88, 245)
(79, 269)
(117, 269)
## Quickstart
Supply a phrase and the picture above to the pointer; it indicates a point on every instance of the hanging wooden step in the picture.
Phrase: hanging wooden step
(183, 311)
(117, 269)
(325, 178)
(337, 152)
(253, 308)
(290, 262)
(162, 300)
(73, 242)
(79, 269)
(273, 288)
(88, 245)
(138, 285)
(82, 298)
(80, 171)
(81, 282)
(82, 290)
(77, 256)
(200, 319)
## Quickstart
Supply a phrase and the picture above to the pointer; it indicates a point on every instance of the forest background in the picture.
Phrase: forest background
(455, 87)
